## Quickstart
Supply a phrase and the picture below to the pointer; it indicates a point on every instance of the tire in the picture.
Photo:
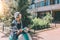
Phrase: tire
(24, 37)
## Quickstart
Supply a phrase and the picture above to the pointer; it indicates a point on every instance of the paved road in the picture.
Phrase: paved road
(49, 35)
(46, 35)
(3, 37)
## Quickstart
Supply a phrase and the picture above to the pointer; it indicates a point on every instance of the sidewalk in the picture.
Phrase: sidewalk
(49, 35)
(53, 34)
(3, 37)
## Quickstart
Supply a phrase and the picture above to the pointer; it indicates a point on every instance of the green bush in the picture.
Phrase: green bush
(48, 17)
(39, 23)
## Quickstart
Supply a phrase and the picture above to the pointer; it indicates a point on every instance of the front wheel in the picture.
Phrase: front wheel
(24, 36)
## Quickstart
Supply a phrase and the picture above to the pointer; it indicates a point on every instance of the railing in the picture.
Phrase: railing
(43, 3)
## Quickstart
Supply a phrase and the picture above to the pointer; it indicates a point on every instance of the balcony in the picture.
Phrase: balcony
(46, 8)
(36, 1)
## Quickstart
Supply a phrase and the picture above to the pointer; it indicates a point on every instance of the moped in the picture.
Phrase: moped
(23, 36)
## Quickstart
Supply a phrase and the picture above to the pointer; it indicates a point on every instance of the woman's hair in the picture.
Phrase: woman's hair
(16, 14)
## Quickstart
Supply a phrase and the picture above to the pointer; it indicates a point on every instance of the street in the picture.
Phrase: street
(49, 35)
(53, 34)
(3, 36)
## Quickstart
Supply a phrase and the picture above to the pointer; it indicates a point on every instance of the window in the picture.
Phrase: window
(36, 5)
(30, 7)
(52, 1)
(57, 1)
(47, 2)
(33, 6)
(42, 3)
(33, 1)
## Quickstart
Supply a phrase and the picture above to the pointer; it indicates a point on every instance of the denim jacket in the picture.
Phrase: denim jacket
(14, 27)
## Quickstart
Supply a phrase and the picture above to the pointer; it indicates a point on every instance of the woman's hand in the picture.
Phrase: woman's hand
(19, 31)
(26, 29)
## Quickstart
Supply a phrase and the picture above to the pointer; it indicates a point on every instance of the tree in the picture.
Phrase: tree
(22, 7)
(3, 9)
(18, 5)
(8, 7)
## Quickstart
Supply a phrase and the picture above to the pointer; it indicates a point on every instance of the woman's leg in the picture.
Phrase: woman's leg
(14, 37)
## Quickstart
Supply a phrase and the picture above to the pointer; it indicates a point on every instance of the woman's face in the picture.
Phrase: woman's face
(19, 17)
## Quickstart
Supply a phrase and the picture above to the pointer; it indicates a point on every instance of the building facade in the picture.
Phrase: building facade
(46, 6)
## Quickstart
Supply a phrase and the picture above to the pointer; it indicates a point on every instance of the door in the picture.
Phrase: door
(57, 16)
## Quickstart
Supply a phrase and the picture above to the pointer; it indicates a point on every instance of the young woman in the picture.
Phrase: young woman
(18, 29)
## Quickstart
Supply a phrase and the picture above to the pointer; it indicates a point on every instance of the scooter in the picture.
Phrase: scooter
(23, 36)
